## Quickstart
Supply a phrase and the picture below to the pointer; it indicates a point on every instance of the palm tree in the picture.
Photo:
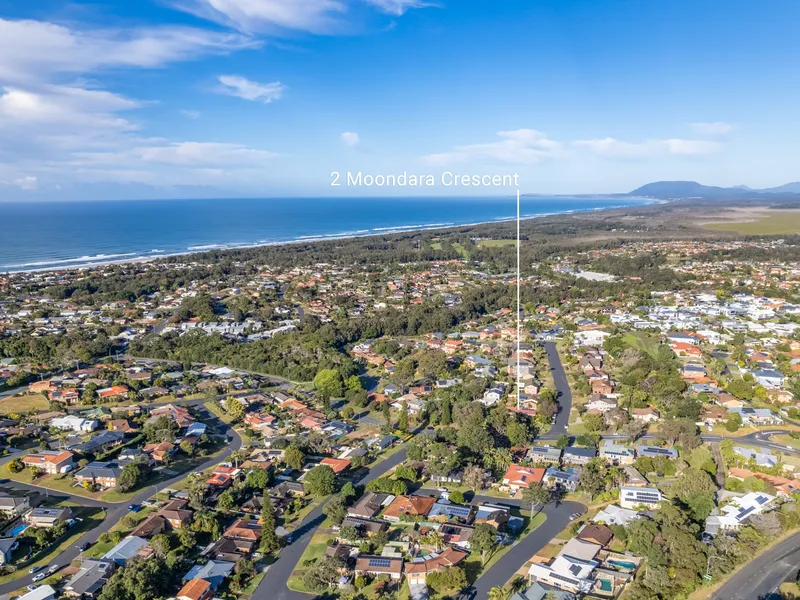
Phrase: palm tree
(499, 593)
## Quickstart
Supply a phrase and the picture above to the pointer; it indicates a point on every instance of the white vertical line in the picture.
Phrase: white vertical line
(519, 306)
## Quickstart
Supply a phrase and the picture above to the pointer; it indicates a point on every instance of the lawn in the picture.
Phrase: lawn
(786, 440)
(771, 222)
(23, 404)
(642, 341)
(436, 245)
(496, 243)
(315, 549)
(461, 250)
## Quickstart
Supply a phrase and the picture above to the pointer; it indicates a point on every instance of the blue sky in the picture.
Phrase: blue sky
(208, 98)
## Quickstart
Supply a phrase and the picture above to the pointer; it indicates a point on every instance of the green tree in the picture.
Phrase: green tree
(562, 441)
(457, 497)
(234, 408)
(483, 540)
(16, 466)
(320, 481)
(294, 458)
(257, 479)
(323, 575)
(402, 421)
(132, 475)
(226, 501)
(536, 495)
(329, 384)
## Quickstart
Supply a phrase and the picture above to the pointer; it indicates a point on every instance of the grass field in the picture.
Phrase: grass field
(461, 250)
(315, 549)
(773, 222)
(641, 341)
(496, 243)
(436, 245)
(23, 404)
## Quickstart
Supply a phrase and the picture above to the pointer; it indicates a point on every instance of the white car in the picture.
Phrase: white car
(39, 577)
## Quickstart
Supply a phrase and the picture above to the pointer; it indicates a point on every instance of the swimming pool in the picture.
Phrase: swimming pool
(623, 564)
(605, 585)
(17, 530)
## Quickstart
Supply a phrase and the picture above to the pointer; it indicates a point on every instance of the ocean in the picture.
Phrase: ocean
(52, 235)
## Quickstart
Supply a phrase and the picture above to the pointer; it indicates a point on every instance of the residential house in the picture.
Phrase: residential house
(90, 579)
(104, 474)
(645, 415)
(214, 571)
(617, 454)
(379, 565)
(127, 549)
(370, 505)
(177, 514)
(578, 456)
(632, 497)
(159, 452)
(656, 451)
(244, 529)
(339, 466)
(567, 479)
(367, 527)
(7, 547)
(73, 423)
(196, 589)
(446, 511)
(600, 403)
(546, 454)
(571, 569)
(417, 569)
(595, 533)
(50, 461)
(732, 516)
(757, 416)
(413, 506)
(13, 506)
(43, 592)
(615, 515)
(519, 477)
(47, 517)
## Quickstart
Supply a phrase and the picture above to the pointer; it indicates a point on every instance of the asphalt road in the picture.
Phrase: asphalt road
(115, 511)
(273, 585)
(760, 579)
(564, 393)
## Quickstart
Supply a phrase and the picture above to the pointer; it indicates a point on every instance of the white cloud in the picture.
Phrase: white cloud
(275, 16)
(34, 50)
(28, 183)
(523, 146)
(613, 148)
(203, 154)
(235, 85)
(269, 16)
(191, 114)
(350, 139)
(711, 129)
(397, 7)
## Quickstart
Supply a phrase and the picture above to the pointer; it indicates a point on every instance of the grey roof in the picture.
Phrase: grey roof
(126, 549)
(539, 591)
(100, 440)
(91, 577)
(214, 571)
(96, 470)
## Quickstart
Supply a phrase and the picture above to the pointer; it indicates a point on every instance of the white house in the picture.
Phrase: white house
(72, 423)
(572, 568)
(631, 497)
(731, 516)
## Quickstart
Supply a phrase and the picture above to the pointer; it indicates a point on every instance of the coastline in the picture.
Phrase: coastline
(86, 262)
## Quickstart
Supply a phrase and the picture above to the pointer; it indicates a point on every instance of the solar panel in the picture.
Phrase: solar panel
(744, 512)
(379, 562)
(574, 569)
(761, 499)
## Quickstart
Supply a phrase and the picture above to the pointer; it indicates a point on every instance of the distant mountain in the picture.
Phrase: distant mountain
(692, 189)
(788, 188)
(684, 189)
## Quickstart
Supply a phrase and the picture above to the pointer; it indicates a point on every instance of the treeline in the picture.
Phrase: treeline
(60, 349)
